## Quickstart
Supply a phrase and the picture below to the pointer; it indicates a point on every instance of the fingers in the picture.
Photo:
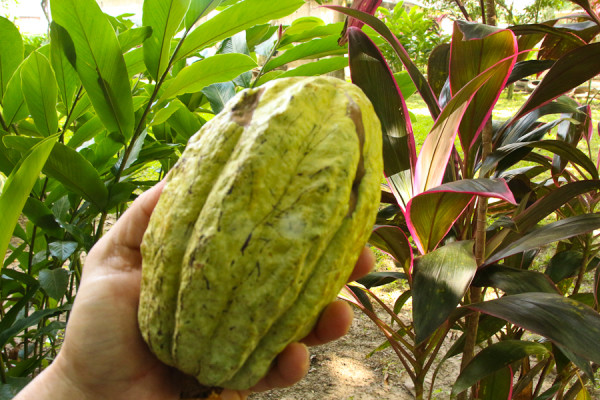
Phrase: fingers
(129, 229)
(119, 249)
(333, 323)
(364, 265)
(290, 367)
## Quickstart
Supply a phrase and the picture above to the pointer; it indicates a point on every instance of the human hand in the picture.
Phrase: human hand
(104, 356)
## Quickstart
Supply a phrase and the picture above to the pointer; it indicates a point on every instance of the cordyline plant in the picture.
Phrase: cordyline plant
(471, 267)
(101, 113)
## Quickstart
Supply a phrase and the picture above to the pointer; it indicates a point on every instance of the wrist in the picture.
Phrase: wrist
(51, 383)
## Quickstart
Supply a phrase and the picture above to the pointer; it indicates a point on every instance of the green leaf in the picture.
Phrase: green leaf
(70, 168)
(552, 232)
(99, 61)
(566, 322)
(318, 67)
(55, 282)
(42, 216)
(86, 132)
(15, 108)
(133, 37)
(493, 358)
(234, 19)
(11, 52)
(218, 94)
(164, 17)
(218, 68)
(564, 264)
(40, 92)
(441, 279)
(62, 249)
(315, 48)
(18, 186)
(23, 323)
(66, 76)
(199, 9)
(496, 386)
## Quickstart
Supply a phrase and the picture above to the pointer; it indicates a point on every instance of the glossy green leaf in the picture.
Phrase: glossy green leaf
(419, 80)
(568, 72)
(11, 52)
(318, 67)
(370, 72)
(17, 187)
(86, 132)
(54, 282)
(199, 9)
(42, 216)
(99, 62)
(133, 37)
(62, 249)
(234, 19)
(218, 94)
(315, 48)
(15, 108)
(441, 279)
(134, 61)
(566, 322)
(218, 68)
(70, 168)
(40, 92)
(391, 240)
(512, 280)
(494, 358)
(66, 76)
(468, 59)
(185, 123)
(164, 17)
(293, 35)
(552, 232)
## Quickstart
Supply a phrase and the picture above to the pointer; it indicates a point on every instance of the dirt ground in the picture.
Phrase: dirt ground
(342, 370)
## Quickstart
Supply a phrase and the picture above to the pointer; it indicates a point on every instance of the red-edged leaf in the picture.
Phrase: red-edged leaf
(568, 72)
(468, 58)
(513, 280)
(552, 232)
(430, 215)
(391, 240)
(495, 358)
(441, 279)
(568, 323)
(585, 4)
(419, 80)
(366, 6)
(438, 145)
(370, 72)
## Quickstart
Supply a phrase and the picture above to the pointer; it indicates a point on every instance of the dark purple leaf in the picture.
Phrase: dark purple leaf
(512, 280)
(554, 47)
(529, 67)
(391, 240)
(370, 72)
(552, 232)
(438, 66)
(381, 278)
(438, 145)
(440, 281)
(493, 358)
(568, 323)
(585, 4)
(568, 72)
(564, 264)
(468, 59)
(416, 75)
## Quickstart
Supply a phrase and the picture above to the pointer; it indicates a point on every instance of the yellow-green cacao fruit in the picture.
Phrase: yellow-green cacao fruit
(258, 227)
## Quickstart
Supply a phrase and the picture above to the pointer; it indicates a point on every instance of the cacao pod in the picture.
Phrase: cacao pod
(258, 227)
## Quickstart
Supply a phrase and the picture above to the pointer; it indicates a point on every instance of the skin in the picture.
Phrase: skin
(104, 356)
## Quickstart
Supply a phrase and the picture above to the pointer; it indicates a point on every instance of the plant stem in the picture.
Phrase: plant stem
(2, 372)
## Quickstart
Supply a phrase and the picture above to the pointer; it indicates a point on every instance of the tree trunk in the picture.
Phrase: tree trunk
(490, 12)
